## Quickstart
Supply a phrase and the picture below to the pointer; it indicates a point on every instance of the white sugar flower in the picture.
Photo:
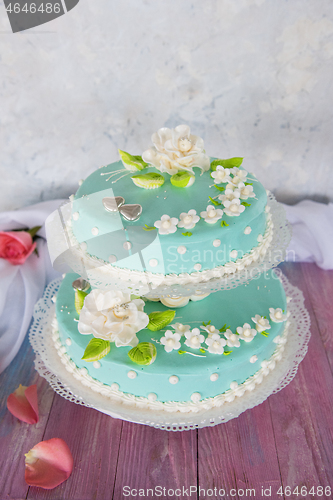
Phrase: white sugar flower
(188, 220)
(112, 315)
(166, 225)
(170, 341)
(174, 301)
(210, 329)
(175, 150)
(229, 195)
(180, 328)
(246, 191)
(233, 207)
(221, 174)
(239, 175)
(215, 344)
(212, 214)
(232, 338)
(194, 338)
(246, 332)
(262, 323)
(277, 315)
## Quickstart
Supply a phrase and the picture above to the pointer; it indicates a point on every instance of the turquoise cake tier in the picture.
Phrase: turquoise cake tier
(139, 246)
(175, 376)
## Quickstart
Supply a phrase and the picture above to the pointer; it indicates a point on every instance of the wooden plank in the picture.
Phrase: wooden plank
(93, 439)
(151, 458)
(301, 413)
(17, 438)
(239, 455)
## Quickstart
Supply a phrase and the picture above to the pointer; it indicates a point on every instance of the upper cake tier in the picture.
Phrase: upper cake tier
(172, 216)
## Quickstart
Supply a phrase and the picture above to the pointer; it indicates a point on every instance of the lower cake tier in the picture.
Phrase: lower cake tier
(211, 351)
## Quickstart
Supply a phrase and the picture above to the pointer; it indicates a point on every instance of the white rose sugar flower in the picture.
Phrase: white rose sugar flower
(166, 225)
(194, 338)
(215, 344)
(277, 315)
(170, 341)
(212, 214)
(188, 220)
(246, 333)
(261, 323)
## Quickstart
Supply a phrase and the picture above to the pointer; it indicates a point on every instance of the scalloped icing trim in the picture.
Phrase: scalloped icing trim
(170, 406)
(156, 279)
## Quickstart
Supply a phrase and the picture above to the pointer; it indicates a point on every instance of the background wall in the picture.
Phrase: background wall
(252, 77)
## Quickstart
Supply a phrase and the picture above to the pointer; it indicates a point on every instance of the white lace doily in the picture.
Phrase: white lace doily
(268, 254)
(49, 366)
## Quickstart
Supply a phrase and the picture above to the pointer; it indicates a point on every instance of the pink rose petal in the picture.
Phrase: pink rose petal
(48, 464)
(22, 403)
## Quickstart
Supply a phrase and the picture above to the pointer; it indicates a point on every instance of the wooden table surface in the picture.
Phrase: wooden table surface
(285, 442)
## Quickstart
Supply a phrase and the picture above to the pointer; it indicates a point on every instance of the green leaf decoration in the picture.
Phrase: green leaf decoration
(224, 328)
(246, 204)
(148, 228)
(223, 223)
(96, 349)
(248, 183)
(265, 334)
(216, 203)
(79, 299)
(187, 233)
(206, 324)
(33, 231)
(152, 180)
(143, 354)
(181, 352)
(160, 319)
(131, 162)
(182, 179)
(230, 163)
(202, 350)
(220, 188)
(226, 353)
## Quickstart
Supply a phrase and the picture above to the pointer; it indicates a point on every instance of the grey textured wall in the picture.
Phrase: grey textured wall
(252, 77)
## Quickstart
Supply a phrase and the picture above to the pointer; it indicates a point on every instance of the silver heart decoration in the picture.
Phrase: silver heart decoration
(131, 212)
(81, 284)
(113, 204)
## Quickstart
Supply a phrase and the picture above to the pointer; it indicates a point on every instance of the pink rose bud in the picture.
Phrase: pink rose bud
(16, 246)
(22, 403)
(48, 464)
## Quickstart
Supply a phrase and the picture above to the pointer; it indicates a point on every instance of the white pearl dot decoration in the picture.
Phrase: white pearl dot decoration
(233, 254)
(173, 379)
(197, 266)
(233, 385)
(131, 374)
(76, 216)
(83, 370)
(68, 341)
(80, 182)
(96, 364)
(196, 396)
(84, 246)
(153, 262)
(253, 358)
(260, 238)
(216, 243)
(112, 259)
(181, 249)
(95, 231)
(152, 397)
(214, 377)
(114, 386)
(247, 230)
(127, 245)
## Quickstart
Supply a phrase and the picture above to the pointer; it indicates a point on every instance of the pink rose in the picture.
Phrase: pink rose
(16, 246)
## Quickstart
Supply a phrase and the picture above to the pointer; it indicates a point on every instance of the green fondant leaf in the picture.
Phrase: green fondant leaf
(230, 163)
(202, 350)
(160, 319)
(148, 228)
(223, 223)
(182, 179)
(206, 324)
(265, 334)
(216, 203)
(152, 180)
(143, 354)
(248, 183)
(220, 188)
(226, 353)
(96, 349)
(131, 162)
(188, 233)
(246, 204)
(224, 328)
(33, 231)
(79, 299)
(181, 352)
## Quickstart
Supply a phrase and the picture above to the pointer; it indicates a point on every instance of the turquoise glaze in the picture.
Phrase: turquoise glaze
(233, 307)
(146, 246)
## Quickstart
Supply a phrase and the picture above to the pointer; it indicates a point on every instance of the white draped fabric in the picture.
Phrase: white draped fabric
(21, 286)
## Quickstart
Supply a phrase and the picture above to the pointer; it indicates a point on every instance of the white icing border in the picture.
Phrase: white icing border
(81, 374)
